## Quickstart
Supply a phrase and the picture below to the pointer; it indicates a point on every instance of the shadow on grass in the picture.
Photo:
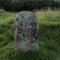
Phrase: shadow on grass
(18, 55)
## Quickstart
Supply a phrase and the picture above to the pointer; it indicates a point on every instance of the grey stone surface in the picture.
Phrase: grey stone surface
(26, 32)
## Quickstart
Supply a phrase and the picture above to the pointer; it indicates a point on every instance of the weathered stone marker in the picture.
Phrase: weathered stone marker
(26, 32)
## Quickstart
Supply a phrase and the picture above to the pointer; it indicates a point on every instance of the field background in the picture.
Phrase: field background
(49, 37)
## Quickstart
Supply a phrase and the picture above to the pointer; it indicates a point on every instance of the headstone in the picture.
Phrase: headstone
(26, 32)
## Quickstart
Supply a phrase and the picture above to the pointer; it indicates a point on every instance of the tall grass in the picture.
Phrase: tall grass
(49, 37)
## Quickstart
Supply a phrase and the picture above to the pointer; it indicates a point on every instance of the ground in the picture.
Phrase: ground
(49, 37)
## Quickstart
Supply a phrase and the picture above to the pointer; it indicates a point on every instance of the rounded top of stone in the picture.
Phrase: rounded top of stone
(25, 13)
(26, 16)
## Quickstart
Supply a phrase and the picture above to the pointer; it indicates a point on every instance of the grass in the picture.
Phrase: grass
(49, 37)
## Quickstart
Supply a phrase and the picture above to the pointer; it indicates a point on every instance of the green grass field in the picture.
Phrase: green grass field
(49, 37)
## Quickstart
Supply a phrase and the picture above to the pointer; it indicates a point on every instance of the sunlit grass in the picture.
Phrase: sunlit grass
(48, 17)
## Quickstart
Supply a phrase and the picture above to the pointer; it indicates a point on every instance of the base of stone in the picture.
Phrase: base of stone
(27, 46)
